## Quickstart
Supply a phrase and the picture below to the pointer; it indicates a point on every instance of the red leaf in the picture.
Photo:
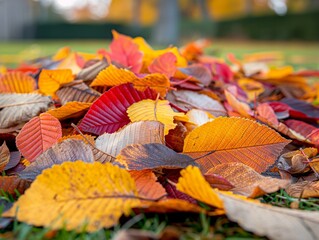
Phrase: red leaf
(165, 64)
(124, 51)
(39, 134)
(306, 130)
(108, 112)
(267, 115)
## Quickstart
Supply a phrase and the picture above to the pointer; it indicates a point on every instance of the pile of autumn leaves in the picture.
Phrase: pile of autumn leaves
(136, 129)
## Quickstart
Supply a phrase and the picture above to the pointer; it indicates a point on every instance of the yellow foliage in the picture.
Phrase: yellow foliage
(85, 138)
(154, 110)
(76, 195)
(51, 80)
(194, 184)
(70, 110)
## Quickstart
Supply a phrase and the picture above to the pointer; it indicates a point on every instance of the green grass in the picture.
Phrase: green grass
(297, 54)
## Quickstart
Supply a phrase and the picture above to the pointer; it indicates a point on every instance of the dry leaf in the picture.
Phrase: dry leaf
(272, 222)
(79, 92)
(70, 110)
(88, 139)
(77, 196)
(69, 150)
(51, 80)
(134, 133)
(38, 135)
(233, 139)
(304, 189)
(240, 107)
(4, 156)
(246, 181)
(112, 76)
(18, 108)
(188, 100)
(158, 110)
(150, 156)
(90, 73)
(147, 185)
(194, 184)
(17, 82)
(13, 184)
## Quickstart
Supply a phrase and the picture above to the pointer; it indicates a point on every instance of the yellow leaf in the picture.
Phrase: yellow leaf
(75, 195)
(153, 111)
(61, 54)
(234, 139)
(276, 73)
(194, 184)
(113, 76)
(70, 110)
(88, 139)
(150, 54)
(251, 87)
(3, 69)
(51, 80)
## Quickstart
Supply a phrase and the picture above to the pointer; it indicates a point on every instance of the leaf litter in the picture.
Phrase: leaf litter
(133, 129)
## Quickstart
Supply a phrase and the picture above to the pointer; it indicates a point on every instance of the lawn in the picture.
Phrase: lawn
(297, 54)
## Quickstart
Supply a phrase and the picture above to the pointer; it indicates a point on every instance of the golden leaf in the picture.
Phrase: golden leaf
(234, 140)
(113, 76)
(194, 184)
(153, 110)
(75, 195)
(51, 80)
(251, 87)
(88, 139)
(70, 110)
(17, 82)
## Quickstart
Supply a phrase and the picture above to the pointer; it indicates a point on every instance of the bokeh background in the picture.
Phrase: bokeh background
(34, 27)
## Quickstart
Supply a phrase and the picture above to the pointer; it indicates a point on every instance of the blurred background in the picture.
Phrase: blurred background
(161, 22)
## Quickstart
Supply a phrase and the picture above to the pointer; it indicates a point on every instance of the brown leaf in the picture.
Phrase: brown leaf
(69, 150)
(147, 185)
(11, 184)
(151, 156)
(4, 156)
(247, 181)
(304, 189)
(217, 181)
(175, 137)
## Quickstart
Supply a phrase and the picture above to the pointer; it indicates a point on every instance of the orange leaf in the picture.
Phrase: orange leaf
(165, 64)
(51, 80)
(247, 181)
(4, 156)
(112, 76)
(70, 110)
(61, 54)
(39, 134)
(233, 139)
(147, 185)
(242, 108)
(85, 138)
(17, 82)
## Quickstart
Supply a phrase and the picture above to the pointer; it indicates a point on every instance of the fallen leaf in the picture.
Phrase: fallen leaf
(108, 113)
(158, 110)
(90, 73)
(4, 156)
(39, 134)
(165, 64)
(18, 108)
(13, 185)
(79, 92)
(63, 197)
(247, 181)
(232, 139)
(134, 133)
(194, 184)
(113, 76)
(303, 131)
(126, 52)
(51, 80)
(195, 72)
(88, 139)
(14, 160)
(272, 222)
(240, 107)
(147, 185)
(217, 181)
(151, 156)
(17, 82)
(70, 110)
(251, 87)
(175, 137)
(188, 100)
(69, 150)
(303, 189)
